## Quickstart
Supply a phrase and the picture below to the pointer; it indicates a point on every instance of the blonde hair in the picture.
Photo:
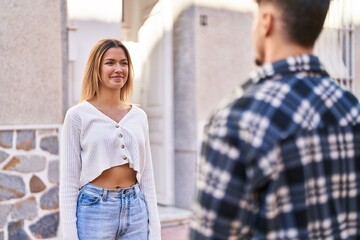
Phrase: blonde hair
(91, 79)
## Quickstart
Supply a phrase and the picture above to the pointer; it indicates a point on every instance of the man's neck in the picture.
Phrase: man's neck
(285, 50)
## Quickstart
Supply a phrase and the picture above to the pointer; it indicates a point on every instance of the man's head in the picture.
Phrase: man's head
(294, 22)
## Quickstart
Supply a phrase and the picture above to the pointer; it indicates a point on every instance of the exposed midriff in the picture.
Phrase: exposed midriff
(121, 176)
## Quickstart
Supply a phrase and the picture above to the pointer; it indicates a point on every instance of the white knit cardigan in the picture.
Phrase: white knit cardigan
(92, 142)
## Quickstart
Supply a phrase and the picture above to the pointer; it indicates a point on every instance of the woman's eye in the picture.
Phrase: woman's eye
(124, 63)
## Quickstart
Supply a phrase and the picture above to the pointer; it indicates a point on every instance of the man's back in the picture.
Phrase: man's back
(283, 160)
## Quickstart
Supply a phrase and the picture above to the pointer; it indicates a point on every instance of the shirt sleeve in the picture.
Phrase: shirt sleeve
(147, 184)
(224, 208)
(70, 167)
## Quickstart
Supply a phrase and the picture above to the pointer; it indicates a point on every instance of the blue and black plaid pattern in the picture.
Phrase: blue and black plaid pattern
(282, 161)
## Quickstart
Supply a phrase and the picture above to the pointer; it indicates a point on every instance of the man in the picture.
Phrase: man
(283, 160)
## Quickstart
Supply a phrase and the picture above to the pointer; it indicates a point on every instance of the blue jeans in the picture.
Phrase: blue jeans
(112, 214)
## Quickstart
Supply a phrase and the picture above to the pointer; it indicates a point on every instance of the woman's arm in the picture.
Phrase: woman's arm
(70, 167)
(147, 183)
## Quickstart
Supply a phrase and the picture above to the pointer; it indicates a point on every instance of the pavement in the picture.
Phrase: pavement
(177, 232)
(174, 223)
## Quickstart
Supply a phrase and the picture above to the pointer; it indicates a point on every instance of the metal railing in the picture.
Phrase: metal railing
(335, 46)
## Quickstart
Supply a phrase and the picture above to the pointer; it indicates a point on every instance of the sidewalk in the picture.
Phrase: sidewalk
(174, 223)
(178, 232)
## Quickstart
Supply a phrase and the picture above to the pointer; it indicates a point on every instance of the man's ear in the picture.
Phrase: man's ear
(267, 23)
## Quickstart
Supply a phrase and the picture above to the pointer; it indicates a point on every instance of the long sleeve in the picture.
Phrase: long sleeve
(147, 183)
(70, 167)
(223, 209)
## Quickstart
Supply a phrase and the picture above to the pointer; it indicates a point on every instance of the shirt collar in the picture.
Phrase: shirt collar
(290, 65)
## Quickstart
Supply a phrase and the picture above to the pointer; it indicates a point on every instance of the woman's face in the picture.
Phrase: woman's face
(114, 68)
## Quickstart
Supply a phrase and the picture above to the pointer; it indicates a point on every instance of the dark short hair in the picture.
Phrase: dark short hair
(303, 19)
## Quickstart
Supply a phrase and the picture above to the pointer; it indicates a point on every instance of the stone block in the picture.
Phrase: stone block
(4, 213)
(50, 144)
(11, 187)
(47, 132)
(53, 173)
(6, 139)
(36, 184)
(25, 209)
(26, 163)
(25, 139)
(3, 156)
(46, 227)
(16, 231)
(50, 199)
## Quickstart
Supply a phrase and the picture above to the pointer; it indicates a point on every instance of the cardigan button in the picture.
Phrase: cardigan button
(124, 157)
(120, 135)
(117, 126)
(122, 146)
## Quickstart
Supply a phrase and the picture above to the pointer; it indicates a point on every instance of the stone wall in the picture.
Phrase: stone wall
(29, 183)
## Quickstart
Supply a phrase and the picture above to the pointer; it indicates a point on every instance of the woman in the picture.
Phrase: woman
(105, 153)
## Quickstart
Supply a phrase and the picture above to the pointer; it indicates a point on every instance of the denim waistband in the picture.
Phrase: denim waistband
(122, 192)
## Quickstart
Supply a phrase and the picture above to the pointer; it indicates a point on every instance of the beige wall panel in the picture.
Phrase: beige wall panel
(224, 56)
(31, 62)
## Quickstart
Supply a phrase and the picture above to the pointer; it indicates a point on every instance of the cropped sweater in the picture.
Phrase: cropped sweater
(92, 142)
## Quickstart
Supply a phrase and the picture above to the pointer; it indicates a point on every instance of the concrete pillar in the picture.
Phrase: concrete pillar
(185, 106)
(212, 55)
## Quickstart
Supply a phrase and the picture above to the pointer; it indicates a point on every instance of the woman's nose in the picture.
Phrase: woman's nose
(118, 68)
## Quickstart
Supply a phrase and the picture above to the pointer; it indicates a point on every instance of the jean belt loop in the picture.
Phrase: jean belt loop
(136, 190)
(104, 195)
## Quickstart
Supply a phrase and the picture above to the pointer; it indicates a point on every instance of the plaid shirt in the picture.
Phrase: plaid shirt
(283, 160)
